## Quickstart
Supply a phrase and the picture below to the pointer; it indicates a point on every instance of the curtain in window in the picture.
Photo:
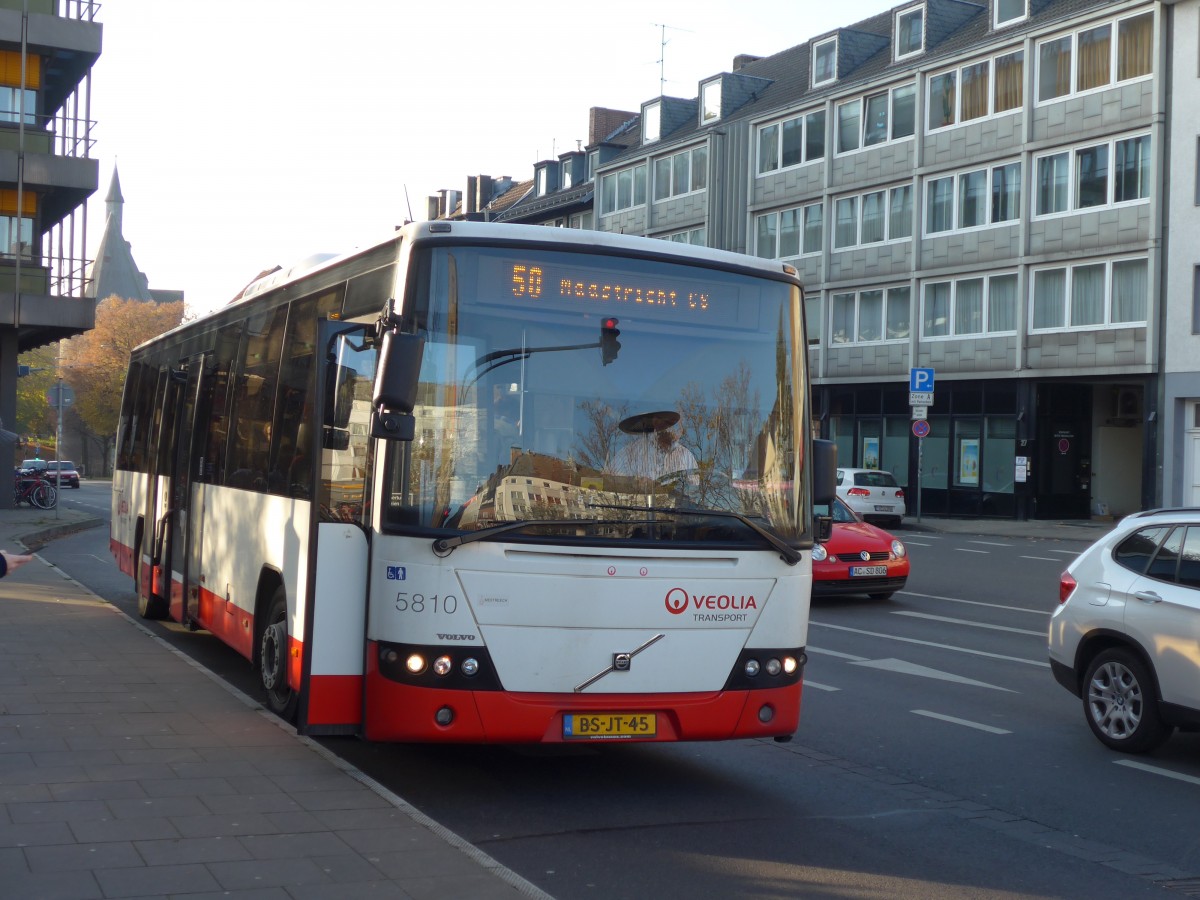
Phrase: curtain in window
(768, 149)
(814, 136)
(898, 312)
(1134, 46)
(813, 221)
(1009, 81)
(1006, 192)
(1052, 184)
(870, 316)
(793, 142)
(873, 217)
(625, 189)
(968, 306)
(941, 205)
(842, 319)
(1054, 68)
(942, 100)
(1002, 303)
(639, 185)
(845, 233)
(682, 180)
(848, 115)
(936, 319)
(1132, 169)
(789, 233)
(875, 120)
(662, 178)
(764, 244)
(699, 168)
(1130, 290)
(900, 216)
(1049, 296)
(904, 111)
(1087, 295)
(975, 91)
(1095, 58)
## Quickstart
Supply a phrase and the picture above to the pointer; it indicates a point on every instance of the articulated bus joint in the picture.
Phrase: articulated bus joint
(760, 668)
(448, 668)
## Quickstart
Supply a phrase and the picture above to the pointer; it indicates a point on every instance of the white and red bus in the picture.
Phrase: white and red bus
(489, 483)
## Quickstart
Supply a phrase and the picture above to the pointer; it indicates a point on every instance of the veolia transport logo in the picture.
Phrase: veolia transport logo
(677, 601)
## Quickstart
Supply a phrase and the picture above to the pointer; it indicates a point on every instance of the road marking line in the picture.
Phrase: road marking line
(1039, 612)
(930, 616)
(1046, 558)
(981, 727)
(1155, 770)
(990, 543)
(819, 686)
(905, 640)
(908, 542)
(903, 667)
(838, 654)
(969, 550)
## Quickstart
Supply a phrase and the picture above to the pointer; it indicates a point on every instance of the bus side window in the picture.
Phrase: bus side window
(254, 400)
(291, 470)
(218, 417)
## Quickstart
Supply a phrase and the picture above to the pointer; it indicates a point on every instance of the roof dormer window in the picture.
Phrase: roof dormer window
(824, 61)
(710, 102)
(541, 182)
(910, 32)
(651, 122)
(1008, 12)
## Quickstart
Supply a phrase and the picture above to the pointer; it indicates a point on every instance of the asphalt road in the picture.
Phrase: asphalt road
(936, 757)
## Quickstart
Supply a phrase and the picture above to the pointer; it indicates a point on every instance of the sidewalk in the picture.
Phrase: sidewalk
(126, 770)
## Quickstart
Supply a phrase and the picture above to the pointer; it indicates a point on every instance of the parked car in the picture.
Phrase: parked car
(33, 465)
(872, 493)
(858, 558)
(1124, 636)
(63, 471)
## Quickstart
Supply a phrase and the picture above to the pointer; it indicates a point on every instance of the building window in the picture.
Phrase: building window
(876, 119)
(977, 90)
(1096, 57)
(623, 189)
(651, 122)
(789, 232)
(873, 218)
(973, 199)
(1103, 175)
(868, 317)
(681, 173)
(10, 105)
(824, 61)
(710, 102)
(910, 32)
(791, 142)
(1009, 11)
(970, 307)
(541, 182)
(1090, 295)
(565, 178)
(1196, 311)
(593, 160)
(16, 237)
(697, 237)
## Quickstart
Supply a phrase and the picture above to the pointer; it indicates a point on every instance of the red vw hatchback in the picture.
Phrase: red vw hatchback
(858, 558)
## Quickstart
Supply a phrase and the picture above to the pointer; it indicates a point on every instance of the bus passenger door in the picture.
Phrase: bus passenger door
(183, 538)
(152, 588)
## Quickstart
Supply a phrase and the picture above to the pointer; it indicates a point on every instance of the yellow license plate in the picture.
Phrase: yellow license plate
(608, 726)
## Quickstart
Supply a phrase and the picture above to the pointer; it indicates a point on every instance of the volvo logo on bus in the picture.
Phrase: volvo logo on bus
(677, 601)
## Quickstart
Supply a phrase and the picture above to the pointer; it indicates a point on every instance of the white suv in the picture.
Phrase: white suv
(1126, 635)
(872, 493)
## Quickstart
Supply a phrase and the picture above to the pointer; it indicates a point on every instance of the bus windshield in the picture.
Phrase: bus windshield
(627, 395)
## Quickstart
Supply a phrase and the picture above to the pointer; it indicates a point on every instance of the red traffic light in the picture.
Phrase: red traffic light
(610, 323)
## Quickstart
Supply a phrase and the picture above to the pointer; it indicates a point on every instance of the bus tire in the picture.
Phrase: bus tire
(273, 660)
(148, 605)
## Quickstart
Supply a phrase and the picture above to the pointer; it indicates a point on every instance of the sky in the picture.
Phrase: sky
(255, 133)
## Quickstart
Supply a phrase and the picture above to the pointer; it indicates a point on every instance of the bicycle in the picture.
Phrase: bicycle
(35, 491)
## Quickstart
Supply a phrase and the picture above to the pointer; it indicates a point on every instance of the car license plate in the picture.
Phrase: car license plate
(608, 726)
(867, 570)
(882, 508)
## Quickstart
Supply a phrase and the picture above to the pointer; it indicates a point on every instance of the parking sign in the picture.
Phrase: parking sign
(920, 380)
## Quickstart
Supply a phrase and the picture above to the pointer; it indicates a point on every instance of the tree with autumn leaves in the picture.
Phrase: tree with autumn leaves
(94, 365)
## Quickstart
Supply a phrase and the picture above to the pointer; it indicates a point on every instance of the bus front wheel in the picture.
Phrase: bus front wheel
(273, 660)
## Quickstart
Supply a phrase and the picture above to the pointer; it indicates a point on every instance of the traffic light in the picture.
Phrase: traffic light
(609, 345)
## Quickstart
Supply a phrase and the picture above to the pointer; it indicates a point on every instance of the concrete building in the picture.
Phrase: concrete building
(983, 189)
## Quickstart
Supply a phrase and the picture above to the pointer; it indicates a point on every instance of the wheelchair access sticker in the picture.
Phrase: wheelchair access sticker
(396, 573)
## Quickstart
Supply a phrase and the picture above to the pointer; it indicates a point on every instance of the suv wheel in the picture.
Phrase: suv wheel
(1119, 703)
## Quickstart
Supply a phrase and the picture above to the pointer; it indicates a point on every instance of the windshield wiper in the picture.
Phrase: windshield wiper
(445, 545)
(788, 553)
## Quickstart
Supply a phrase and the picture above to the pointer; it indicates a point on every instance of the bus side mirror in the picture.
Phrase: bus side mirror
(395, 393)
(824, 472)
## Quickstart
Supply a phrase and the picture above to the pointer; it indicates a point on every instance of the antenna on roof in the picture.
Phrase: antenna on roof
(408, 203)
(662, 59)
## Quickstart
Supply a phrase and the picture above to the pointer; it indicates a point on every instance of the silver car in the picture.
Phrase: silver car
(1125, 637)
(872, 493)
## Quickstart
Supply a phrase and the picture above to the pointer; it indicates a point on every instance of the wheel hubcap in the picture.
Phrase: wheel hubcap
(272, 655)
(1115, 700)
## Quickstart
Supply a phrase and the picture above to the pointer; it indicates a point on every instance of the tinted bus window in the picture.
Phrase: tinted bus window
(217, 429)
(254, 400)
(291, 457)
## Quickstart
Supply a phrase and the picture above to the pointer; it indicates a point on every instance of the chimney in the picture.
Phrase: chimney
(603, 122)
(471, 197)
(484, 192)
(744, 59)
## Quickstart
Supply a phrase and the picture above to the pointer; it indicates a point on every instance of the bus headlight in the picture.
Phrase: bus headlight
(415, 663)
(470, 666)
(773, 667)
(442, 665)
(751, 667)
(790, 665)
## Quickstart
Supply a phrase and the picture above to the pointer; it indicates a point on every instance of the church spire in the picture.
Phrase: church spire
(114, 202)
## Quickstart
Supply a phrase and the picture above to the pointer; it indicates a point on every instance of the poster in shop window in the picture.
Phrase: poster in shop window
(968, 461)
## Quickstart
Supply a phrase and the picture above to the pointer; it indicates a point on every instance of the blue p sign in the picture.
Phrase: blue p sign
(920, 379)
